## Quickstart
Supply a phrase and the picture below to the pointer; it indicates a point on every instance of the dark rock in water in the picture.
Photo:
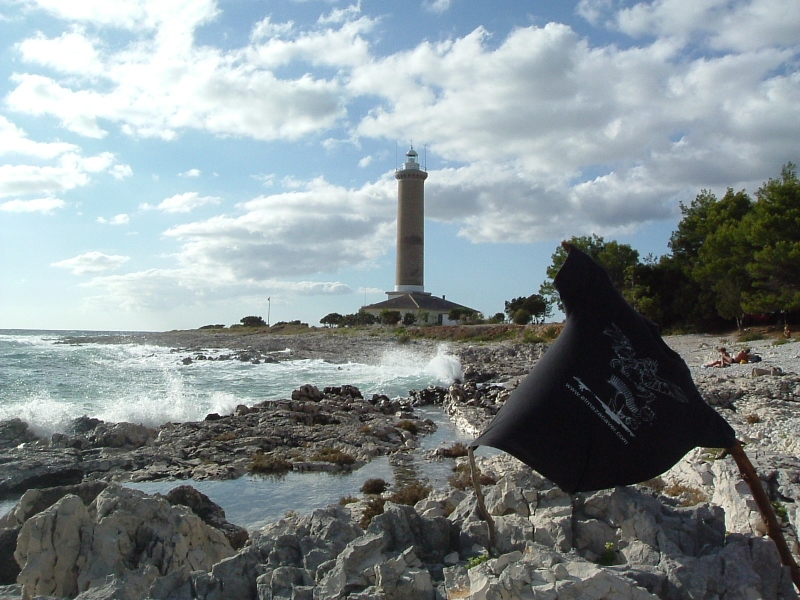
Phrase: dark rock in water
(210, 512)
(21, 469)
(83, 424)
(15, 432)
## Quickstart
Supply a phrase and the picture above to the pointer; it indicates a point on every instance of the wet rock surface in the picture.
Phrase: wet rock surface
(330, 429)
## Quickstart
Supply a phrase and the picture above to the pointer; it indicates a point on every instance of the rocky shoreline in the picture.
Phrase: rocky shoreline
(692, 533)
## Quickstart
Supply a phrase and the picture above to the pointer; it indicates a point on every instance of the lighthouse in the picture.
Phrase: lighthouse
(410, 271)
(409, 297)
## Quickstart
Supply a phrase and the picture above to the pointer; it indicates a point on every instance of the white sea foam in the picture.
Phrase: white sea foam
(48, 385)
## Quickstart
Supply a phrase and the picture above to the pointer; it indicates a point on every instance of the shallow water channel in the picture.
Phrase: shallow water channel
(254, 501)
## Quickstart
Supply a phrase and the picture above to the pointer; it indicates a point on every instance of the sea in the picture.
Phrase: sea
(49, 378)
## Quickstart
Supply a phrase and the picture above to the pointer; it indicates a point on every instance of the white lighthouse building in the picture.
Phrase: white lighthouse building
(409, 295)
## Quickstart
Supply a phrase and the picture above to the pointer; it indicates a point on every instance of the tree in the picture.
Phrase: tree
(535, 305)
(618, 259)
(362, 317)
(497, 318)
(390, 317)
(409, 319)
(522, 317)
(252, 322)
(332, 319)
(773, 231)
(455, 314)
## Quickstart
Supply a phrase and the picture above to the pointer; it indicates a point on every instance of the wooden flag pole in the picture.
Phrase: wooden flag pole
(765, 508)
(476, 484)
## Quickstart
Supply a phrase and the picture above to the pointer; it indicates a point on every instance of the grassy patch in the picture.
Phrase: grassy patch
(345, 500)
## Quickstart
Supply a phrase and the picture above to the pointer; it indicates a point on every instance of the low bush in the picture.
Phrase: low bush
(455, 451)
(374, 486)
(334, 456)
(408, 425)
(265, 464)
(461, 478)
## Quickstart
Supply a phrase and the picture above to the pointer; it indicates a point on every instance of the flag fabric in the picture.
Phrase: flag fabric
(609, 403)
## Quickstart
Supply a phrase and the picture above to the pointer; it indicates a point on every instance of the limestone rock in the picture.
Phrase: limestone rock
(71, 548)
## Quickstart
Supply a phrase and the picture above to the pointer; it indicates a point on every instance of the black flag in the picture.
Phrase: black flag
(609, 403)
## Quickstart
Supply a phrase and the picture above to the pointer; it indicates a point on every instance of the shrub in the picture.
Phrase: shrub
(609, 555)
(374, 486)
(334, 456)
(411, 494)
(268, 464)
(373, 509)
(456, 450)
(531, 337)
(687, 495)
(409, 426)
(752, 418)
(551, 332)
(751, 336)
(461, 478)
(345, 500)
(477, 560)
(780, 511)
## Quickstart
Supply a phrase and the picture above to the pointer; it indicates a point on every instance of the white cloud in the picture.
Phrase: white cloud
(134, 15)
(121, 171)
(721, 24)
(182, 203)
(365, 162)
(163, 289)
(164, 84)
(318, 229)
(18, 180)
(91, 262)
(40, 205)
(437, 6)
(540, 133)
(14, 140)
(120, 219)
(190, 173)
(72, 52)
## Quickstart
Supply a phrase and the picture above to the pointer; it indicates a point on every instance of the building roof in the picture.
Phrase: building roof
(416, 301)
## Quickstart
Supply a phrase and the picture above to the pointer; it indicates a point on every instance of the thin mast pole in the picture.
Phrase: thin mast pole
(753, 481)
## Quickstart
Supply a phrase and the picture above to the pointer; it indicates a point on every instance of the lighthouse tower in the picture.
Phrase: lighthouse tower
(409, 297)
(410, 226)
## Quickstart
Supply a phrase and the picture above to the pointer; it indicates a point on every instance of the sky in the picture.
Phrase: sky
(169, 165)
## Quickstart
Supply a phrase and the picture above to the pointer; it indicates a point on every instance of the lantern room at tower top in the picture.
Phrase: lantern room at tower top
(409, 295)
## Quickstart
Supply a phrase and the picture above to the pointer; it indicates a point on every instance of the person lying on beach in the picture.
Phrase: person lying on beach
(724, 359)
(742, 357)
